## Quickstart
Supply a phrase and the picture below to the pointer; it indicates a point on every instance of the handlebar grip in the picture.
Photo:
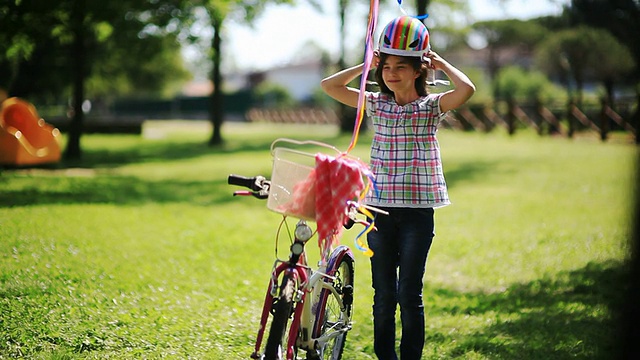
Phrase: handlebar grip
(248, 182)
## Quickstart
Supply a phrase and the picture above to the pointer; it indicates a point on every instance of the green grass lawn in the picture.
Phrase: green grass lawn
(140, 251)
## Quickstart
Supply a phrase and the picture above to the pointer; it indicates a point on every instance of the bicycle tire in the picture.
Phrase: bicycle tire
(328, 313)
(275, 349)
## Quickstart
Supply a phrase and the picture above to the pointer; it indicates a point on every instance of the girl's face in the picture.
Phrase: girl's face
(398, 74)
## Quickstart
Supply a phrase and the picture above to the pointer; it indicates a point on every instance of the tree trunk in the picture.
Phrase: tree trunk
(345, 113)
(511, 116)
(73, 150)
(342, 13)
(608, 87)
(216, 110)
(570, 118)
(604, 119)
(579, 79)
(493, 71)
(421, 7)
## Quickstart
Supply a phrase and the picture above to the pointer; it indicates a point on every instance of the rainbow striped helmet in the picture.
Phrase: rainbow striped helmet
(404, 36)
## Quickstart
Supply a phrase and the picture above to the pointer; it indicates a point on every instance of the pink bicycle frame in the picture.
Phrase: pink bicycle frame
(299, 274)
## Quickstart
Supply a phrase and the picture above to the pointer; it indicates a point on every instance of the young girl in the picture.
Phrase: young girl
(405, 159)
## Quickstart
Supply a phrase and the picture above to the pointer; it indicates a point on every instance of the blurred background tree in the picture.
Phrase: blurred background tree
(75, 49)
(516, 83)
(619, 17)
(216, 13)
(576, 55)
(270, 95)
(510, 33)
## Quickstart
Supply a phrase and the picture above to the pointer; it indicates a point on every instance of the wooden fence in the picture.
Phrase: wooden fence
(547, 121)
(293, 116)
(560, 120)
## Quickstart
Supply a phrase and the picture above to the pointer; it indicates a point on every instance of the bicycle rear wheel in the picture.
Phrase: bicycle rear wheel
(330, 320)
(276, 347)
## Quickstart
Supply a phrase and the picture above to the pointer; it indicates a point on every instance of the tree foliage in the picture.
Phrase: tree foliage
(509, 34)
(583, 53)
(53, 49)
(272, 95)
(519, 84)
(619, 17)
(123, 53)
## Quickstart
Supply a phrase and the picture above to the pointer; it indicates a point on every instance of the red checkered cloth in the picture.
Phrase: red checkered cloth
(303, 199)
(337, 181)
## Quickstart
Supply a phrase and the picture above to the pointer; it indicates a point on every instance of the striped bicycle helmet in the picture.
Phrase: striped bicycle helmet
(405, 36)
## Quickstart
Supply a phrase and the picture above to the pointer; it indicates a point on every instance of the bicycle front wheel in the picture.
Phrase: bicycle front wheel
(332, 323)
(276, 347)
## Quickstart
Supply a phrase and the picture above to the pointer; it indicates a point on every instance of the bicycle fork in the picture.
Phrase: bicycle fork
(291, 269)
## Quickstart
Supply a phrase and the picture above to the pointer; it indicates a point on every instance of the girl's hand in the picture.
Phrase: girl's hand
(463, 87)
(435, 61)
(376, 59)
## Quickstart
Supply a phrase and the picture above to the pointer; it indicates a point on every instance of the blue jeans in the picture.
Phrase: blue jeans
(400, 245)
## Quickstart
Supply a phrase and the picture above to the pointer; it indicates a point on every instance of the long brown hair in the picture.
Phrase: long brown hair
(416, 63)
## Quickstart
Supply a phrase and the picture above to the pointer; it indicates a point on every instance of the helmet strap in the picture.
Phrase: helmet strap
(425, 58)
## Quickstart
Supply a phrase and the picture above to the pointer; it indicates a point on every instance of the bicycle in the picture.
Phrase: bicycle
(306, 308)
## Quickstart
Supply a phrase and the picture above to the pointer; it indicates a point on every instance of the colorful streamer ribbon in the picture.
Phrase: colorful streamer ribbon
(368, 59)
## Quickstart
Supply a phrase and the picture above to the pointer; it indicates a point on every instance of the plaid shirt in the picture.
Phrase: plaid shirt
(405, 155)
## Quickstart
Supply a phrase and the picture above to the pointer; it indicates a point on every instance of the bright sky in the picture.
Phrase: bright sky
(280, 33)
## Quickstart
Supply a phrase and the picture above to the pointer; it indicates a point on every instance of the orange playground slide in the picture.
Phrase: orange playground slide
(25, 138)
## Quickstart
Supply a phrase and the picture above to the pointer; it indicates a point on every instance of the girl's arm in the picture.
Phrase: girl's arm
(336, 85)
(463, 90)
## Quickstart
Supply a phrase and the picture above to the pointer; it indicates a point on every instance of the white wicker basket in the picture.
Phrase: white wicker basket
(292, 167)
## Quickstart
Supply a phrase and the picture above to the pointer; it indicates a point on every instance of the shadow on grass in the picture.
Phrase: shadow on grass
(51, 184)
(575, 316)
(168, 150)
(468, 171)
(139, 150)
(97, 188)
(155, 153)
(115, 190)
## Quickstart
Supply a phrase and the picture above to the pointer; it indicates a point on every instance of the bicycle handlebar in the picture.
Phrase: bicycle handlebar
(248, 182)
(259, 185)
